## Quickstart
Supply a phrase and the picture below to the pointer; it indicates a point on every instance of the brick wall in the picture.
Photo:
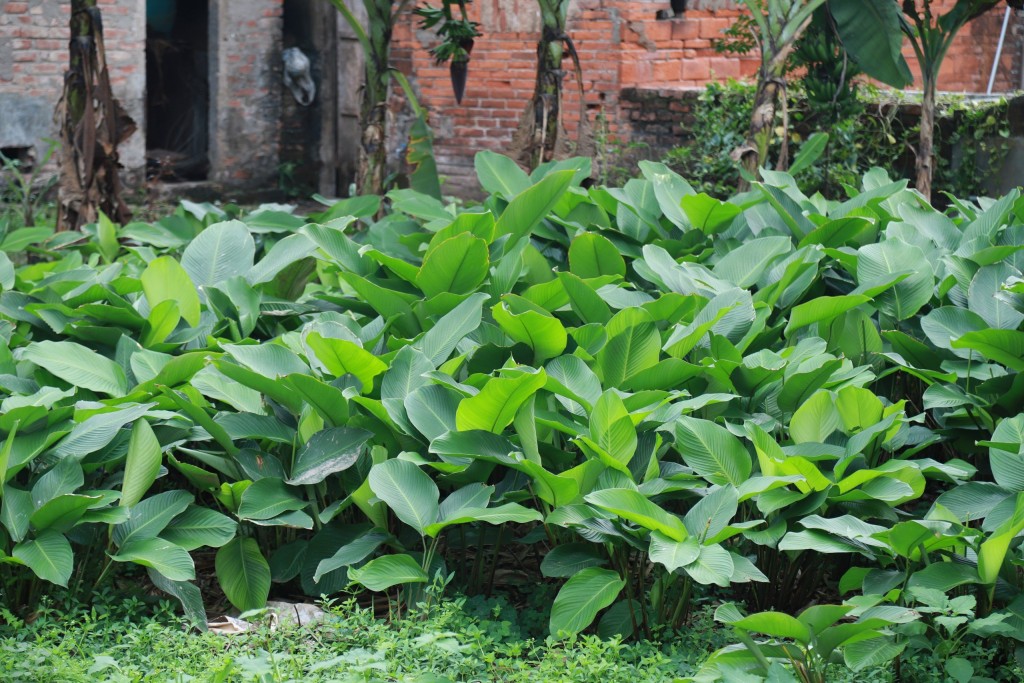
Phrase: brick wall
(33, 58)
(623, 47)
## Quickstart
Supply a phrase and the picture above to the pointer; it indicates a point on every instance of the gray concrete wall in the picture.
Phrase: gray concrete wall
(245, 91)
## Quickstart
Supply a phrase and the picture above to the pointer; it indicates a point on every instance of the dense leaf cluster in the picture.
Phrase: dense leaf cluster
(668, 395)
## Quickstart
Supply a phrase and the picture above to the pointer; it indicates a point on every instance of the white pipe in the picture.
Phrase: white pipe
(999, 51)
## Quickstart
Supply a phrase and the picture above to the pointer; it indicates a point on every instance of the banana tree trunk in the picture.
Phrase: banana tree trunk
(925, 148)
(373, 151)
(93, 124)
(541, 134)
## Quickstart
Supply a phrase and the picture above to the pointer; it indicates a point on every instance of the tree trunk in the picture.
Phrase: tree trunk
(541, 136)
(92, 125)
(762, 122)
(373, 151)
(925, 156)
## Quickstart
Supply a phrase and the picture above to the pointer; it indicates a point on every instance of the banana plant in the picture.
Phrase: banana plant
(780, 23)
(873, 33)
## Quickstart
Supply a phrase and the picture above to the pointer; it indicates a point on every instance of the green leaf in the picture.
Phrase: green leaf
(79, 366)
(494, 408)
(501, 514)
(268, 498)
(187, 594)
(165, 280)
(809, 152)
(172, 561)
(594, 255)
(328, 451)
(873, 652)
(879, 262)
(612, 428)
(142, 465)
(824, 309)
(457, 265)
(530, 206)
(219, 253)
(500, 175)
(342, 357)
(62, 512)
(49, 557)
(351, 553)
(871, 33)
(199, 527)
(408, 491)
(243, 573)
(713, 565)
(635, 507)
(581, 598)
(747, 263)
(712, 451)
(708, 214)
(634, 345)
(671, 553)
(564, 560)
(712, 513)
(150, 517)
(385, 572)
(815, 419)
(440, 340)
(97, 431)
(1008, 465)
(1002, 346)
(775, 624)
(532, 326)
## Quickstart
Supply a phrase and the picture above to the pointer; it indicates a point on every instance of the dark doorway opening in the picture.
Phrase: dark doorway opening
(177, 89)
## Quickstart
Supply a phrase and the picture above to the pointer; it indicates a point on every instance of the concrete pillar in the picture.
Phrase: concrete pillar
(245, 91)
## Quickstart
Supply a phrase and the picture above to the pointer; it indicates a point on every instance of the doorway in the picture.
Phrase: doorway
(177, 90)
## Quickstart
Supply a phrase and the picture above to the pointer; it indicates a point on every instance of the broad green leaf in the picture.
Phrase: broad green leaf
(714, 565)
(815, 419)
(351, 553)
(635, 507)
(501, 514)
(775, 624)
(172, 561)
(712, 513)
(871, 33)
(327, 452)
(611, 427)
(634, 345)
(671, 553)
(79, 366)
(243, 573)
(494, 408)
(61, 513)
(581, 598)
(342, 357)
(440, 340)
(408, 491)
(219, 253)
(564, 560)
(385, 572)
(268, 498)
(199, 527)
(165, 280)
(142, 464)
(48, 555)
(458, 265)
(500, 175)
(746, 264)
(530, 206)
(824, 309)
(150, 516)
(187, 594)
(538, 329)
(880, 262)
(712, 451)
(97, 431)
(708, 214)
(1002, 346)
(1008, 464)
(593, 255)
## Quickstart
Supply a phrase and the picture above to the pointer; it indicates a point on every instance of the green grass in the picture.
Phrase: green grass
(459, 640)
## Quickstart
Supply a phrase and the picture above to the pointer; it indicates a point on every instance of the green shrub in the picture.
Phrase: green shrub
(876, 129)
(641, 398)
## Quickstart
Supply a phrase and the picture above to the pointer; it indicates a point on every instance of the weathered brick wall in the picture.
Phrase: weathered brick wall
(623, 46)
(33, 58)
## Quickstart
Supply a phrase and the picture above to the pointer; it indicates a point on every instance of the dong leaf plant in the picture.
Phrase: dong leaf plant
(646, 396)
